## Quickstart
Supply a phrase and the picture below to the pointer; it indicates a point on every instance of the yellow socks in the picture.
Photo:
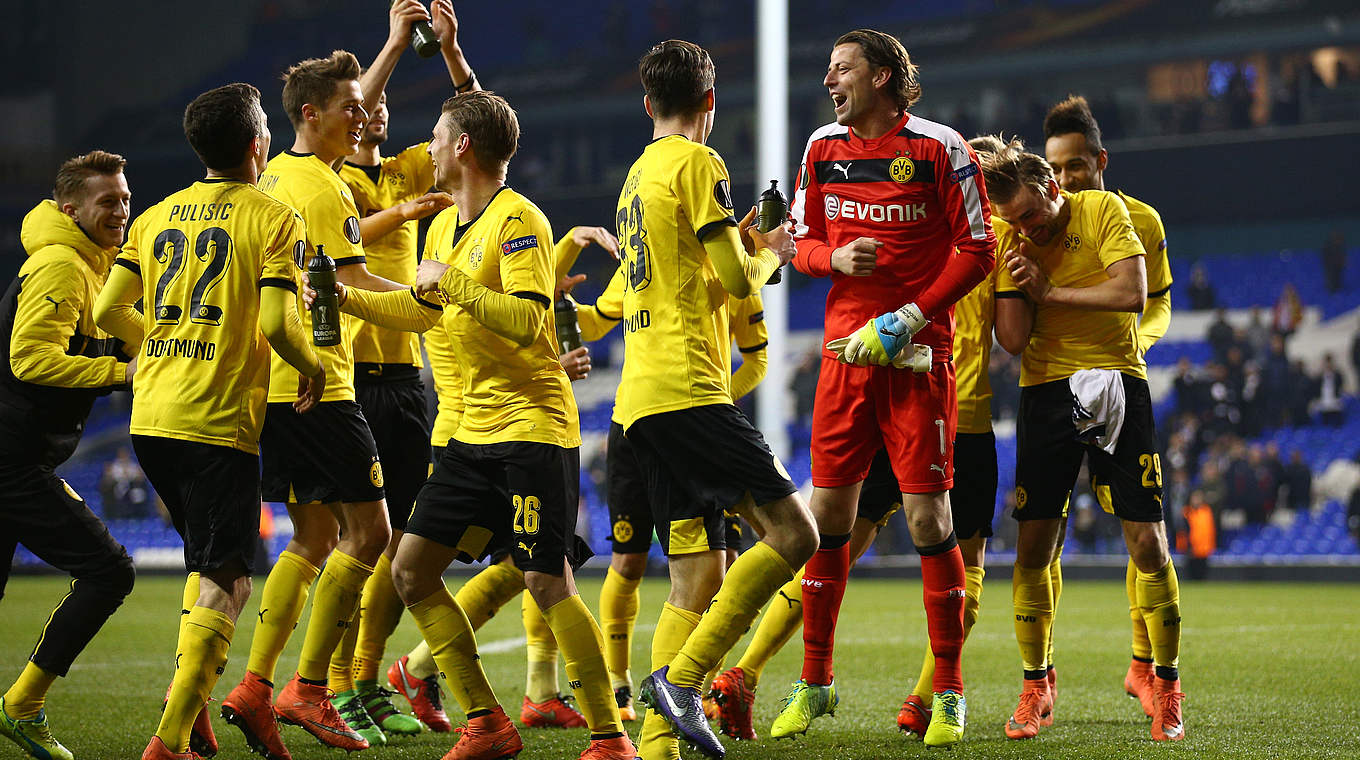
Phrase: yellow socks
(285, 592)
(1032, 595)
(619, 600)
(675, 625)
(972, 602)
(382, 610)
(1055, 579)
(337, 599)
(205, 636)
(582, 647)
(488, 591)
(750, 582)
(1159, 598)
(26, 697)
(1142, 645)
(340, 675)
(454, 648)
(782, 619)
(420, 663)
(540, 681)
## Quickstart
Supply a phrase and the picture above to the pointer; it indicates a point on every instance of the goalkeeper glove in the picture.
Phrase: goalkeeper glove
(915, 357)
(881, 339)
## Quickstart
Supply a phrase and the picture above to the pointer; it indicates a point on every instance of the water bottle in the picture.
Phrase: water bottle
(771, 211)
(423, 39)
(326, 307)
(568, 329)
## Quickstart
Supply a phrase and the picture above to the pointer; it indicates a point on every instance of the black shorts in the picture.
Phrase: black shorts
(972, 500)
(326, 455)
(698, 463)
(732, 531)
(1127, 483)
(393, 399)
(880, 496)
(484, 498)
(212, 494)
(630, 511)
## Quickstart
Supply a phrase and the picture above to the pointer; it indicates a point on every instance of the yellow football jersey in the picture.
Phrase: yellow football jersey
(400, 178)
(203, 254)
(510, 393)
(448, 381)
(1147, 224)
(974, 315)
(315, 191)
(678, 351)
(747, 323)
(1064, 339)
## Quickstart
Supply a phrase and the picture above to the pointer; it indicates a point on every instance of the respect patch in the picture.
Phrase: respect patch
(519, 244)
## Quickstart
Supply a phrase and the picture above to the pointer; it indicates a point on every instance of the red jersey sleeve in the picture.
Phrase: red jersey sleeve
(809, 223)
(963, 197)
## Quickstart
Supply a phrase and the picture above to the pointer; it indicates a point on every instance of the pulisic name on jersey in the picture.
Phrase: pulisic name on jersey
(203, 350)
(200, 212)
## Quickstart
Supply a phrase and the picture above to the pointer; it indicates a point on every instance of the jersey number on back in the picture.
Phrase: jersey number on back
(213, 248)
(634, 239)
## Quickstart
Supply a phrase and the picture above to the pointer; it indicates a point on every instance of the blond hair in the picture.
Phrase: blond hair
(490, 124)
(70, 184)
(315, 80)
(1009, 167)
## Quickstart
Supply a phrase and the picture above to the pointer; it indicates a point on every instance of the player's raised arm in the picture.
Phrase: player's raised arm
(445, 24)
(400, 16)
(744, 257)
(394, 309)
(596, 320)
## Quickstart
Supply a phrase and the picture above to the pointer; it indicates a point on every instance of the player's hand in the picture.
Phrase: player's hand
(881, 339)
(400, 17)
(445, 23)
(779, 240)
(746, 224)
(429, 203)
(309, 293)
(131, 370)
(428, 275)
(1026, 273)
(858, 258)
(584, 236)
(565, 285)
(310, 391)
(577, 363)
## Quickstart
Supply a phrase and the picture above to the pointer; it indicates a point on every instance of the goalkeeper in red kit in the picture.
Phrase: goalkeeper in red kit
(892, 208)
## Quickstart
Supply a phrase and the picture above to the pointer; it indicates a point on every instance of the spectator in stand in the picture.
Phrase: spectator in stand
(1353, 515)
(1270, 474)
(1253, 400)
(805, 384)
(1334, 262)
(1226, 414)
(1176, 498)
(1288, 310)
(1201, 292)
(1330, 386)
(123, 489)
(1244, 487)
(1256, 336)
(1274, 383)
(1201, 535)
(1221, 335)
(1298, 479)
(1211, 485)
(1191, 393)
(1302, 389)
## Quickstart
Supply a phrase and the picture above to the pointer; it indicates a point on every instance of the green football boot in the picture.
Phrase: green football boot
(377, 702)
(33, 736)
(804, 703)
(351, 709)
(946, 719)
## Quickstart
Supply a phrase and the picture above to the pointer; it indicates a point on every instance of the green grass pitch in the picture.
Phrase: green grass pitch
(1271, 670)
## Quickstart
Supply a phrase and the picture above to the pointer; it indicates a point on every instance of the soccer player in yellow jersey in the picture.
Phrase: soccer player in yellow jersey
(54, 362)
(1068, 296)
(1074, 150)
(390, 195)
(324, 465)
(630, 513)
(215, 266)
(509, 475)
(684, 256)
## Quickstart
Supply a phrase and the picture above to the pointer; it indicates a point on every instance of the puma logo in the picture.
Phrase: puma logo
(790, 600)
(937, 467)
(844, 170)
(516, 218)
(261, 614)
(55, 303)
(528, 549)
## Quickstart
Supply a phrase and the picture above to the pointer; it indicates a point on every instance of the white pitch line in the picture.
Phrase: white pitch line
(501, 646)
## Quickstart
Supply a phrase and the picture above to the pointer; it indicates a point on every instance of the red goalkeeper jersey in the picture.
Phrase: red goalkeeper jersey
(918, 190)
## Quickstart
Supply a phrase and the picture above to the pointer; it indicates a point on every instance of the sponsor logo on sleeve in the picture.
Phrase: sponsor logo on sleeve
(300, 253)
(722, 193)
(1162, 245)
(802, 177)
(519, 244)
(352, 229)
(963, 172)
(757, 317)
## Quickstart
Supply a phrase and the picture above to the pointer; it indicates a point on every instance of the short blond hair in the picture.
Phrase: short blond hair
(489, 122)
(1009, 167)
(70, 184)
(315, 80)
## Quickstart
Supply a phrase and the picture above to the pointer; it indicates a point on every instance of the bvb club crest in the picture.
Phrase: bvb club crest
(901, 169)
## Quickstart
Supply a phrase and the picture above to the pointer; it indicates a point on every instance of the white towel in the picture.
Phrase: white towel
(1098, 406)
